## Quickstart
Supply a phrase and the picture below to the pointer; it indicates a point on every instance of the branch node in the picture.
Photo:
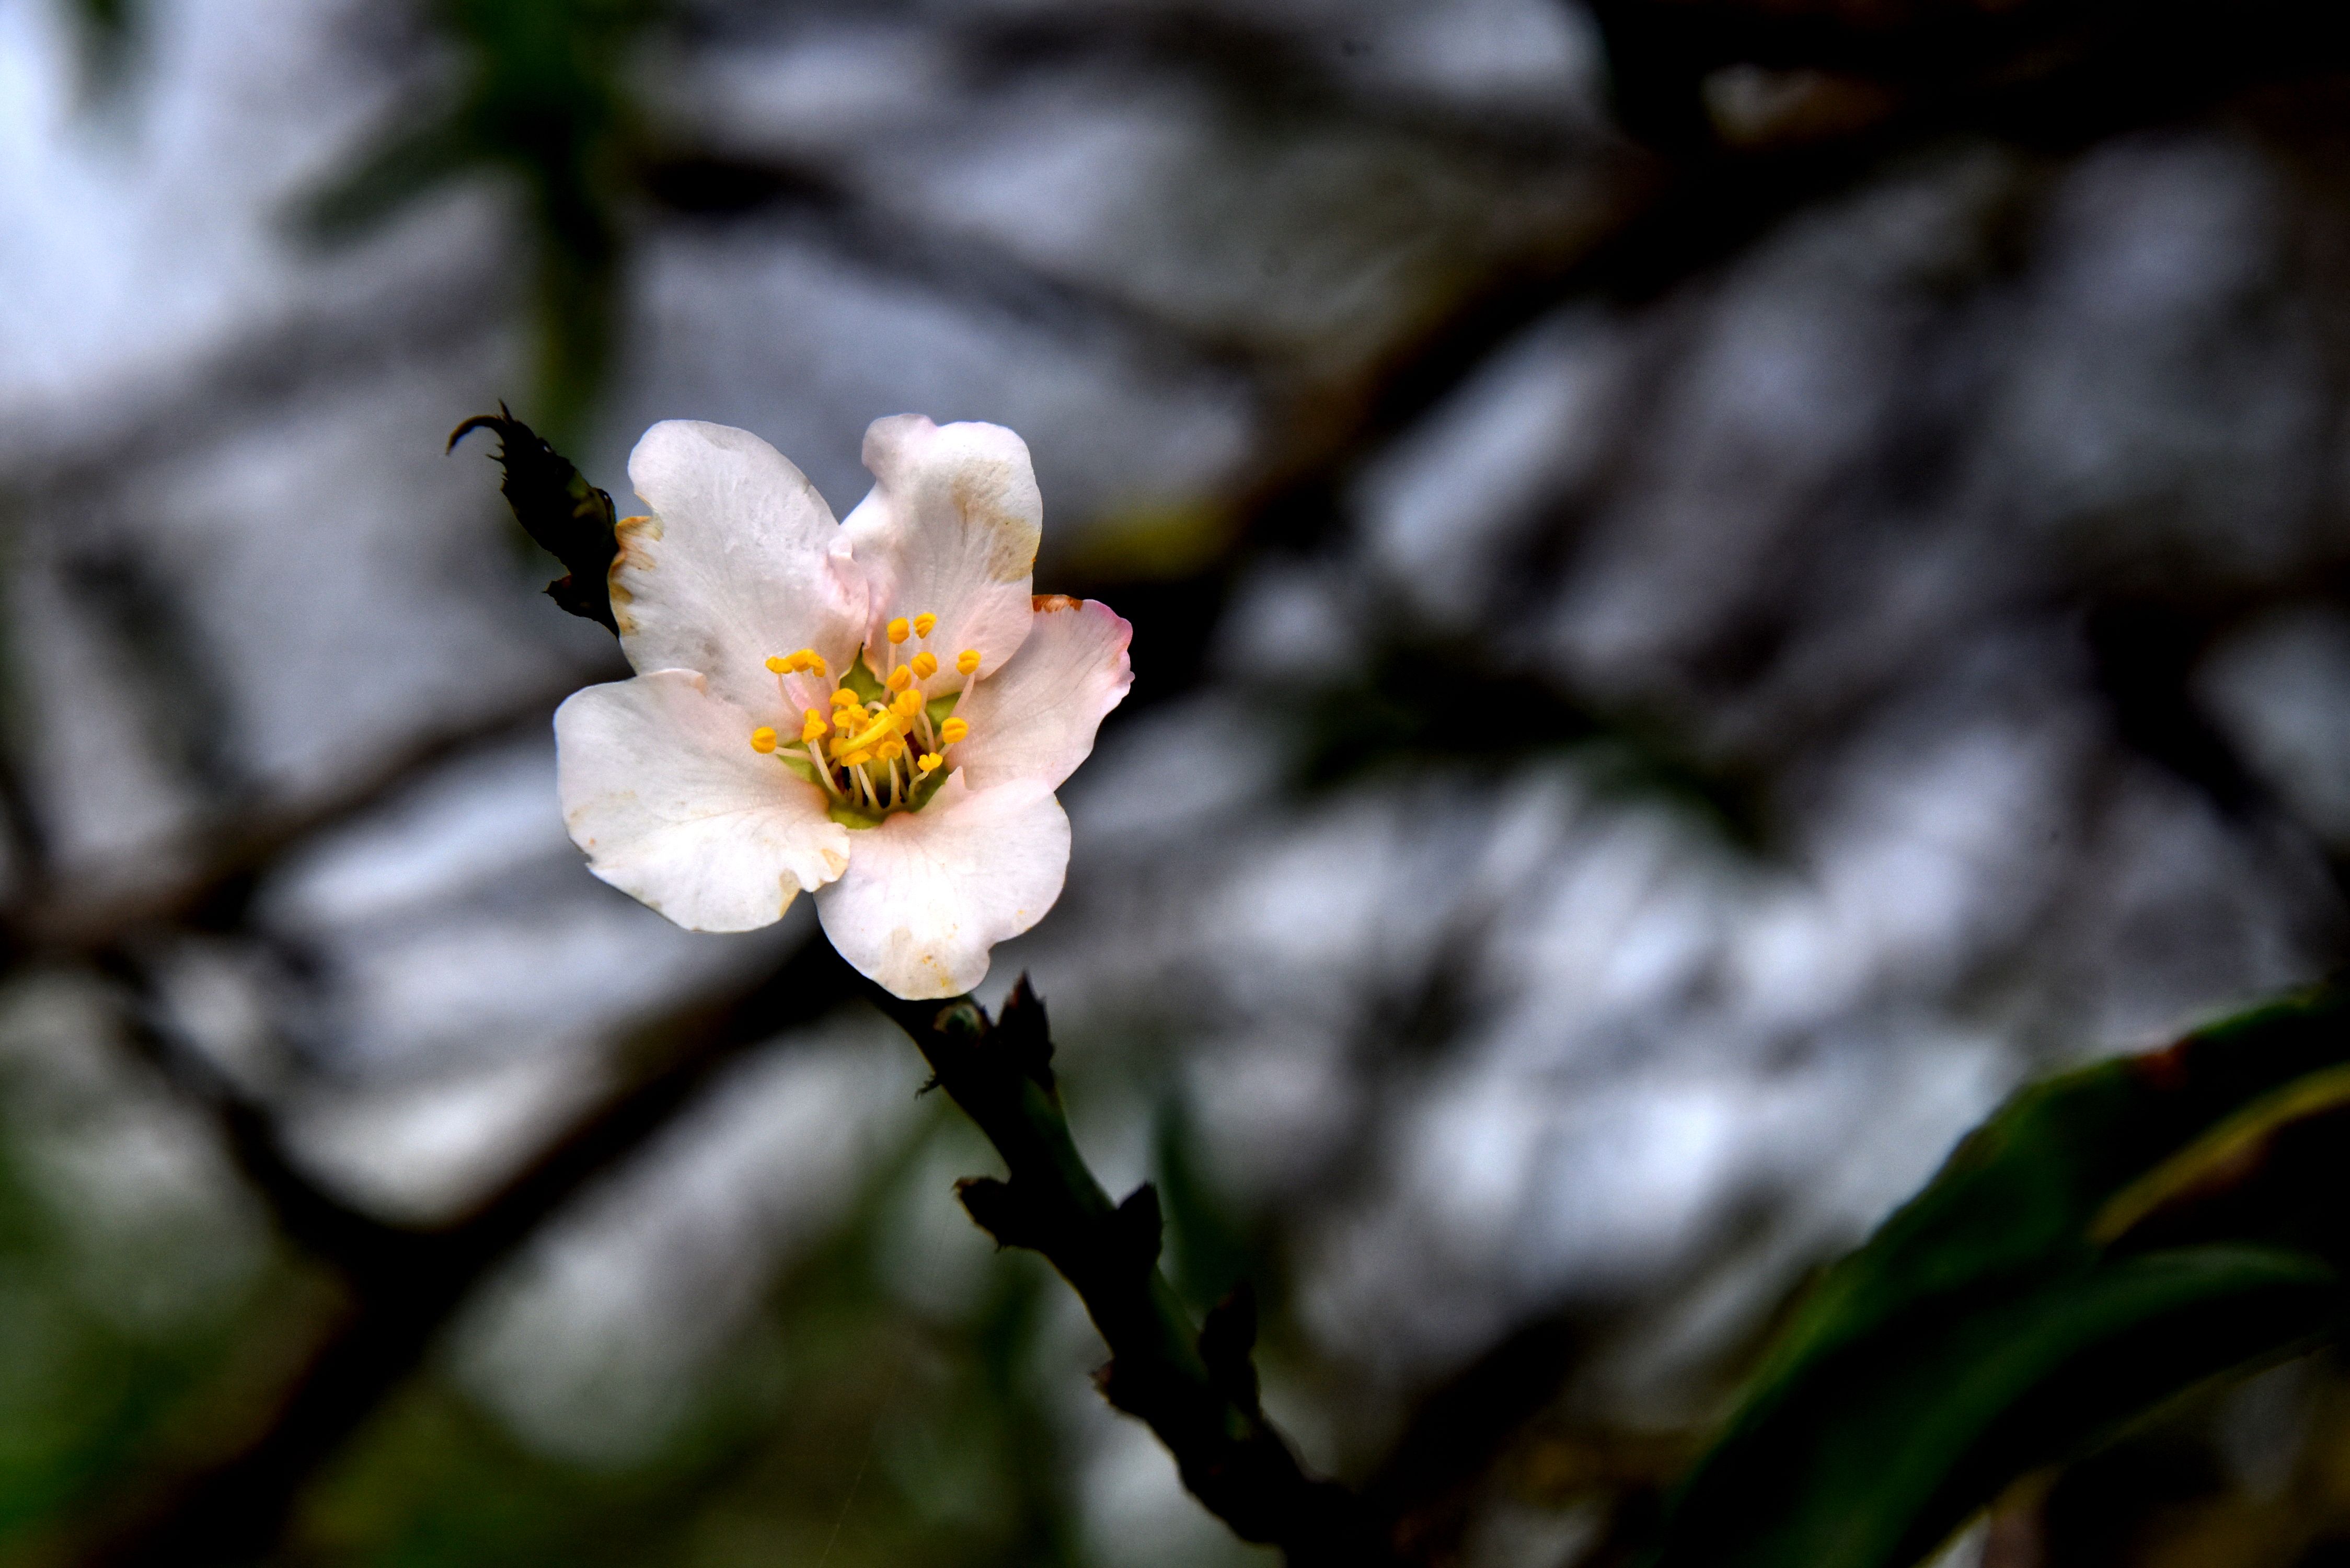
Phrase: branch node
(1117, 1390)
(1226, 1340)
(1023, 1036)
(997, 1208)
(1135, 1230)
(959, 1021)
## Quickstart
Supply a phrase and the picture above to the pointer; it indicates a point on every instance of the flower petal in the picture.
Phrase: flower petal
(949, 529)
(1037, 718)
(661, 787)
(740, 560)
(929, 892)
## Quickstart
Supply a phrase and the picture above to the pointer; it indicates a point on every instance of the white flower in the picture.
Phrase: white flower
(876, 711)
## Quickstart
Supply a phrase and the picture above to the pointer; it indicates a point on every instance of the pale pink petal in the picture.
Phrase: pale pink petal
(951, 530)
(661, 787)
(929, 892)
(1036, 718)
(741, 559)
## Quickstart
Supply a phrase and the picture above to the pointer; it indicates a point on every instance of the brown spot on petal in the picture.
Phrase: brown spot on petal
(629, 550)
(1045, 604)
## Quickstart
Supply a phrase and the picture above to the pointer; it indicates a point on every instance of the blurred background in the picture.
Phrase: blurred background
(1716, 583)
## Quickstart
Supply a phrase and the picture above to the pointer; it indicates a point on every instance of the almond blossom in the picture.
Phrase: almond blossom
(876, 710)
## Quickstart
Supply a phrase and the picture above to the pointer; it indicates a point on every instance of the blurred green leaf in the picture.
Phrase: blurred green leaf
(1208, 1248)
(2001, 1319)
(107, 30)
(542, 95)
(2263, 1151)
(90, 1393)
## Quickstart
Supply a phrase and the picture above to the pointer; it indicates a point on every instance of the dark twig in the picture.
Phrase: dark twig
(227, 864)
(1196, 1390)
(406, 1282)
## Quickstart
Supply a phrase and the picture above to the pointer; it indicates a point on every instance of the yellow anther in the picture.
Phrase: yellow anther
(899, 629)
(928, 762)
(953, 729)
(857, 759)
(925, 623)
(900, 678)
(966, 661)
(845, 698)
(763, 740)
(906, 704)
(813, 662)
(890, 750)
(778, 664)
(813, 727)
(923, 665)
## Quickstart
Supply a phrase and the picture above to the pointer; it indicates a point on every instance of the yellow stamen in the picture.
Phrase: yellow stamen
(923, 665)
(924, 624)
(778, 664)
(813, 727)
(763, 740)
(872, 735)
(899, 629)
(890, 750)
(929, 761)
(900, 678)
(845, 698)
(906, 704)
(967, 661)
(953, 729)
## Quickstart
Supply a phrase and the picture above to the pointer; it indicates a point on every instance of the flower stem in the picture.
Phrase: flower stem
(1195, 1389)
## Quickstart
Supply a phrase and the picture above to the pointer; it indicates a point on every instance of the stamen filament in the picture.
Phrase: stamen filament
(823, 770)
